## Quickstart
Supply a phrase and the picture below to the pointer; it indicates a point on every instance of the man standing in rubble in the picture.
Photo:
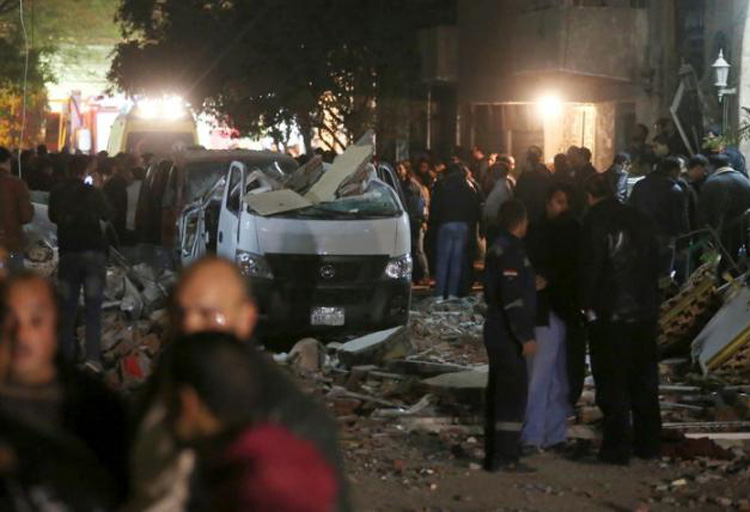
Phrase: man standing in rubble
(620, 299)
(15, 211)
(79, 211)
(510, 292)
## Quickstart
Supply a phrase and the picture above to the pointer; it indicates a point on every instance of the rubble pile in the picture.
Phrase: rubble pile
(134, 323)
(684, 315)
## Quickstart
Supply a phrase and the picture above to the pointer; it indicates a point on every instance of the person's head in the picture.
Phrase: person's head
(77, 166)
(661, 145)
(403, 168)
(5, 158)
(598, 188)
(586, 155)
(664, 126)
(41, 150)
(575, 158)
(214, 385)
(29, 338)
(697, 168)
(558, 200)
(507, 160)
(477, 153)
(4, 264)
(424, 167)
(560, 162)
(641, 133)
(622, 159)
(534, 155)
(670, 166)
(719, 161)
(212, 295)
(513, 218)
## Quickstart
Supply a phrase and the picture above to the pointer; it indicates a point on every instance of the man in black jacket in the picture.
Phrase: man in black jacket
(724, 198)
(455, 212)
(660, 197)
(620, 298)
(79, 211)
(510, 293)
(617, 175)
(533, 184)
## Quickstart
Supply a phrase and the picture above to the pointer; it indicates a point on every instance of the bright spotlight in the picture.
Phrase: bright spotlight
(549, 106)
(148, 109)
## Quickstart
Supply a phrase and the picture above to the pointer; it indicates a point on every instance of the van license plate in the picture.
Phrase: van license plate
(330, 317)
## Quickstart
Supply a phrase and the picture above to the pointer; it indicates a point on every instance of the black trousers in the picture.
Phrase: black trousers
(575, 346)
(624, 364)
(505, 399)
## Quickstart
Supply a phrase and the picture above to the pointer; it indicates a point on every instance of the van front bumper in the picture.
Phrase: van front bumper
(286, 308)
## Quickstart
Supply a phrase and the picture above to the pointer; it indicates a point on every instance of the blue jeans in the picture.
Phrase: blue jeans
(85, 270)
(453, 245)
(548, 406)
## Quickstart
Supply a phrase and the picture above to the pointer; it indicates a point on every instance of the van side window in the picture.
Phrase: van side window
(235, 189)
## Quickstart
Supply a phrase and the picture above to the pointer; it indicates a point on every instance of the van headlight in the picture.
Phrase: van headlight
(400, 268)
(253, 265)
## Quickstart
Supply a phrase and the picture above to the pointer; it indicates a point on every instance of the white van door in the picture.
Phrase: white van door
(231, 207)
(193, 231)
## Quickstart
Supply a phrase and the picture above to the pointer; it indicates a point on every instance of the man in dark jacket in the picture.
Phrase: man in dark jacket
(79, 211)
(455, 211)
(553, 243)
(724, 199)
(578, 171)
(533, 184)
(617, 175)
(660, 197)
(620, 298)
(510, 292)
(15, 211)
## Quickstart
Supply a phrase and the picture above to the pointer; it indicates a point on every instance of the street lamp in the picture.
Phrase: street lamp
(721, 69)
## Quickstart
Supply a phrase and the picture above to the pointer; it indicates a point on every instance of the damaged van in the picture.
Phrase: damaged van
(325, 247)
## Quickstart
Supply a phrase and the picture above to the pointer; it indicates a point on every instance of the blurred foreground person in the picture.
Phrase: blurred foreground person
(553, 245)
(620, 298)
(64, 428)
(15, 211)
(246, 461)
(213, 296)
(4, 264)
(510, 292)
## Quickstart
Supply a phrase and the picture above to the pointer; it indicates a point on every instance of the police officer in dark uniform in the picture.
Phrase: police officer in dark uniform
(510, 292)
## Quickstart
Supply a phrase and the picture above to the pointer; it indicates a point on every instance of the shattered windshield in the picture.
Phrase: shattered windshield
(201, 176)
(378, 201)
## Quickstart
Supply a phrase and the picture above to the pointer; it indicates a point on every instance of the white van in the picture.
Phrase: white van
(341, 265)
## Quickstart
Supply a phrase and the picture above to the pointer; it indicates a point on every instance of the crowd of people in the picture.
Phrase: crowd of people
(576, 262)
(572, 264)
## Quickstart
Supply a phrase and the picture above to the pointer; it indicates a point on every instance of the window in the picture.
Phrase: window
(235, 189)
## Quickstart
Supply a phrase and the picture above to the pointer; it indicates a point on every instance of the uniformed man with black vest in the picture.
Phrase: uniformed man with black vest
(510, 287)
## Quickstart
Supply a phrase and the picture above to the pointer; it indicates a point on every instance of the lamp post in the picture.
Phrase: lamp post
(721, 70)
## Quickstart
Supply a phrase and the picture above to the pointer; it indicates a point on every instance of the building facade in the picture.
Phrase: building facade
(557, 73)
